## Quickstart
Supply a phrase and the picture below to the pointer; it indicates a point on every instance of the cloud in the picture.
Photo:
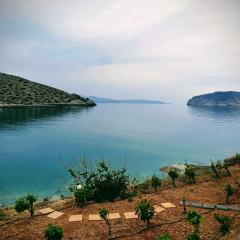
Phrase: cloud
(18, 49)
(156, 48)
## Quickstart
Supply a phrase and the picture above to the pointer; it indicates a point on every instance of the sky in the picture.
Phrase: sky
(156, 49)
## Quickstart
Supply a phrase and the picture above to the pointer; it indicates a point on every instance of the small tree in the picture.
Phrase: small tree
(53, 232)
(156, 182)
(219, 167)
(193, 236)
(190, 174)
(145, 211)
(225, 223)
(26, 203)
(230, 191)
(163, 237)
(173, 175)
(194, 218)
(225, 165)
(214, 169)
(104, 215)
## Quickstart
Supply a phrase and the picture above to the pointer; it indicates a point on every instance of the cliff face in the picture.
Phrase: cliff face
(17, 91)
(216, 99)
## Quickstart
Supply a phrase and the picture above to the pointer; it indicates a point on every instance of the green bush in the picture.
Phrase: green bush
(145, 211)
(163, 237)
(229, 191)
(53, 232)
(99, 182)
(215, 170)
(193, 236)
(194, 218)
(190, 174)
(225, 223)
(25, 203)
(173, 174)
(156, 182)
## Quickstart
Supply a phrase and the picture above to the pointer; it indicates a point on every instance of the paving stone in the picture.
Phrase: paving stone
(234, 208)
(158, 209)
(94, 217)
(46, 210)
(114, 216)
(222, 207)
(168, 205)
(55, 215)
(186, 203)
(130, 215)
(75, 218)
(208, 206)
(197, 205)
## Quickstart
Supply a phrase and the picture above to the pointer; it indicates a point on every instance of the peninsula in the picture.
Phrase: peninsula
(225, 99)
(19, 92)
(127, 101)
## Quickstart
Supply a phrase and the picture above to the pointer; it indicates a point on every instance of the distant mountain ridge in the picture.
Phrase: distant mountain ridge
(16, 91)
(129, 101)
(229, 98)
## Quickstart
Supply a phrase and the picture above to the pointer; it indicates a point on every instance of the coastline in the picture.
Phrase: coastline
(46, 105)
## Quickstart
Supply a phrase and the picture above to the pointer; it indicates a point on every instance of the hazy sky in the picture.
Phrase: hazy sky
(156, 49)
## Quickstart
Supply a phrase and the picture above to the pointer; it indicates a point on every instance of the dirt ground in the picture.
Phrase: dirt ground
(207, 190)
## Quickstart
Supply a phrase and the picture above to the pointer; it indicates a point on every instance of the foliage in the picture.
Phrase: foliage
(99, 182)
(230, 191)
(194, 218)
(215, 171)
(193, 236)
(145, 211)
(173, 174)
(225, 223)
(53, 232)
(144, 186)
(25, 203)
(156, 182)
(225, 166)
(190, 174)
(163, 237)
(104, 215)
(237, 157)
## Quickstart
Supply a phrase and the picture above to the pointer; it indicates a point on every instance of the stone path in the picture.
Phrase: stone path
(211, 206)
(96, 217)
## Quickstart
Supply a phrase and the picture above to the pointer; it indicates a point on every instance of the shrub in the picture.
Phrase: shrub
(25, 203)
(104, 215)
(237, 157)
(145, 211)
(190, 174)
(53, 232)
(99, 181)
(163, 237)
(193, 236)
(225, 223)
(156, 182)
(230, 191)
(82, 196)
(215, 171)
(194, 218)
(173, 175)
(225, 166)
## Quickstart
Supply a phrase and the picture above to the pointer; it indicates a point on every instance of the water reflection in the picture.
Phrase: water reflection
(23, 116)
(218, 114)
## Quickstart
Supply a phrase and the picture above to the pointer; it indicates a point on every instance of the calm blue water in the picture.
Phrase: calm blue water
(36, 144)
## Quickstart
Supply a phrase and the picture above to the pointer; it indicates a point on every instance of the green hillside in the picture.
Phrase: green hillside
(17, 91)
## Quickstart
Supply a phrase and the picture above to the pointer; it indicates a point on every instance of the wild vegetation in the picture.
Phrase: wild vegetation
(25, 203)
(19, 91)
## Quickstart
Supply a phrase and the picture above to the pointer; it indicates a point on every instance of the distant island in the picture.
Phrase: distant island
(129, 101)
(226, 99)
(16, 91)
